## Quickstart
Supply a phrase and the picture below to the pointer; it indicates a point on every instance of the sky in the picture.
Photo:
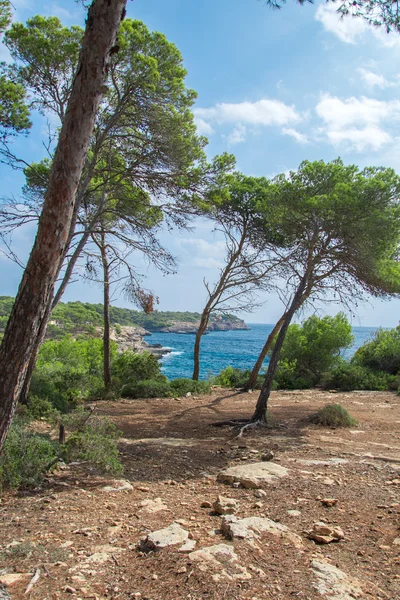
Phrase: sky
(274, 88)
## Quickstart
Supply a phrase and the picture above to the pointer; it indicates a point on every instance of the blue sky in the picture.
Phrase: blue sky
(274, 88)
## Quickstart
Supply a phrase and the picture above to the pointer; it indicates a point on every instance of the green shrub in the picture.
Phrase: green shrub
(333, 415)
(382, 353)
(95, 441)
(68, 371)
(288, 378)
(39, 408)
(311, 349)
(130, 367)
(25, 457)
(148, 388)
(236, 378)
(348, 376)
(182, 386)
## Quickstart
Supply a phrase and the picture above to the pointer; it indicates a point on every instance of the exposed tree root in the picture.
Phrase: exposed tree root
(250, 425)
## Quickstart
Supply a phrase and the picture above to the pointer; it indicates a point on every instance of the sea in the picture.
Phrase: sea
(239, 349)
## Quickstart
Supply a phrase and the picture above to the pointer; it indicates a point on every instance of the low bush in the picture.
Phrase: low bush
(382, 353)
(25, 457)
(236, 378)
(182, 386)
(311, 349)
(288, 377)
(348, 377)
(94, 441)
(130, 367)
(39, 408)
(333, 415)
(148, 388)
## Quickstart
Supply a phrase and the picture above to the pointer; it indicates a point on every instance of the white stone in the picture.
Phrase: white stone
(253, 475)
(334, 583)
(221, 559)
(119, 485)
(153, 506)
(251, 527)
(162, 538)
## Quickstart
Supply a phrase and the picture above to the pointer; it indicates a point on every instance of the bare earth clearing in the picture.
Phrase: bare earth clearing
(84, 540)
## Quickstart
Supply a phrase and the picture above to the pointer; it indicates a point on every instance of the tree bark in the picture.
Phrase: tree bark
(205, 317)
(106, 313)
(256, 369)
(32, 306)
(260, 413)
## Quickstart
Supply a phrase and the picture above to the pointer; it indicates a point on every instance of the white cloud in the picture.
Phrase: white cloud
(208, 263)
(372, 138)
(238, 135)
(203, 248)
(348, 29)
(299, 137)
(203, 128)
(373, 79)
(357, 122)
(352, 30)
(264, 112)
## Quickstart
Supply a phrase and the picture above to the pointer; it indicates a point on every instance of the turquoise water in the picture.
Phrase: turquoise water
(240, 349)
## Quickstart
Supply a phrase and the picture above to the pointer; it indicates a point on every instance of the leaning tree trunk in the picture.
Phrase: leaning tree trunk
(260, 413)
(205, 317)
(256, 369)
(106, 313)
(32, 305)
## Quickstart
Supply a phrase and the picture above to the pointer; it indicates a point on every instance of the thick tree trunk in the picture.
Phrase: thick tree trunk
(260, 413)
(256, 369)
(106, 313)
(32, 306)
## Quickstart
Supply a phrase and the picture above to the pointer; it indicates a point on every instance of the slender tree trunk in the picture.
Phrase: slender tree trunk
(205, 317)
(106, 313)
(262, 402)
(256, 369)
(33, 303)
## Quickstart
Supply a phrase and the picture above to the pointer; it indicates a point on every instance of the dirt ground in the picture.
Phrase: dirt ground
(82, 541)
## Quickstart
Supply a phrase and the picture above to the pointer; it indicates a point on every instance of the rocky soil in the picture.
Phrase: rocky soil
(290, 511)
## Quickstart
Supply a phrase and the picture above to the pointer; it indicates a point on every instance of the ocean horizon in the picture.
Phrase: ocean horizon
(219, 349)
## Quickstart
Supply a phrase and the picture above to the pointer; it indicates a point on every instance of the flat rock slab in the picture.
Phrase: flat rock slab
(253, 475)
(10, 579)
(334, 583)
(222, 560)
(166, 441)
(162, 538)
(153, 506)
(253, 527)
(321, 463)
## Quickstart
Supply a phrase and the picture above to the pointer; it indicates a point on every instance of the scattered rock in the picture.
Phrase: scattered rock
(328, 481)
(268, 455)
(396, 541)
(119, 485)
(252, 527)
(188, 546)
(325, 534)
(206, 504)
(169, 536)
(294, 513)
(334, 583)
(10, 579)
(225, 506)
(253, 475)
(321, 463)
(153, 506)
(329, 502)
(260, 494)
(220, 558)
